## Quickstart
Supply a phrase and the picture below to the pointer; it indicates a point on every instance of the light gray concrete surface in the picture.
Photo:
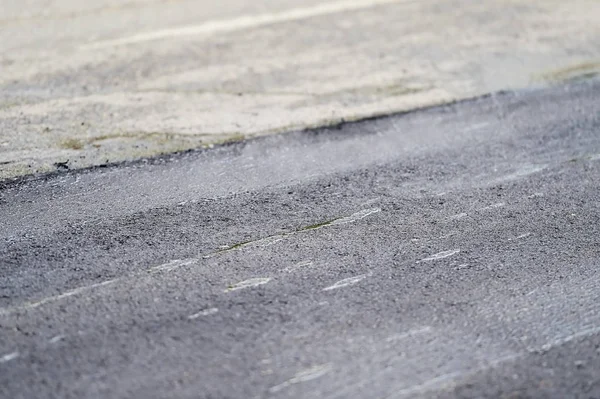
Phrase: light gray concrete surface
(452, 252)
(99, 82)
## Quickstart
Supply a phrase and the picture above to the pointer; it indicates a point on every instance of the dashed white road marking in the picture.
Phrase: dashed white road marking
(253, 282)
(243, 22)
(408, 334)
(298, 266)
(205, 312)
(172, 265)
(525, 171)
(346, 282)
(370, 202)
(306, 375)
(429, 385)
(8, 357)
(519, 237)
(166, 267)
(568, 338)
(494, 206)
(536, 195)
(270, 240)
(265, 242)
(477, 126)
(458, 216)
(178, 263)
(356, 216)
(33, 305)
(450, 379)
(56, 339)
(441, 255)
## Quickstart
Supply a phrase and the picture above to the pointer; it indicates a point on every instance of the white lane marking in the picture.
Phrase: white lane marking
(205, 312)
(166, 267)
(242, 22)
(261, 242)
(441, 255)
(536, 195)
(370, 202)
(299, 265)
(519, 237)
(408, 334)
(306, 375)
(458, 216)
(56, 339)
(8, 357)
(175, 264)
(346, 282)
(477, 126)
(568, 338)
(451, 379)
(253, 282)
(532, 292)
(494, 206)
(525, 171)
(172, 265)
(76, 291)
(429, 385)
(356, 216)
(265, 242)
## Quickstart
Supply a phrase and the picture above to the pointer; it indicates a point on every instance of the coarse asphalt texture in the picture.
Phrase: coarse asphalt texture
(448, 252)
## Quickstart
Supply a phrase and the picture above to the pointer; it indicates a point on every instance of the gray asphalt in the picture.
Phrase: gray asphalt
(447, 252)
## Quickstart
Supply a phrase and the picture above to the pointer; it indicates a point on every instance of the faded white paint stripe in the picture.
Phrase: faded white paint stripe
(253, 282)
(519, 237)
(243, 22)
(33, 305)
(569, 338)
(166, 267)
(172, 265)
(56, 339)
(356, 216)
(458, 216)
(450, 379)
(303, 376)
(8, 357)
(299, 265)
(408, 334)
(346, 282)
(441, 255)
(205, 312)
(178, 263)
(494, 206)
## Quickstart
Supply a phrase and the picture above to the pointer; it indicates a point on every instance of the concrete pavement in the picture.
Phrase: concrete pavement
(90, 83)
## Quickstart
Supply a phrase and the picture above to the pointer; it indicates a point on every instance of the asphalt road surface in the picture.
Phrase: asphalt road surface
(448, 252)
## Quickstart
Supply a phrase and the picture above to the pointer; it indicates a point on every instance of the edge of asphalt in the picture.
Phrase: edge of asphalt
(337, 126)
